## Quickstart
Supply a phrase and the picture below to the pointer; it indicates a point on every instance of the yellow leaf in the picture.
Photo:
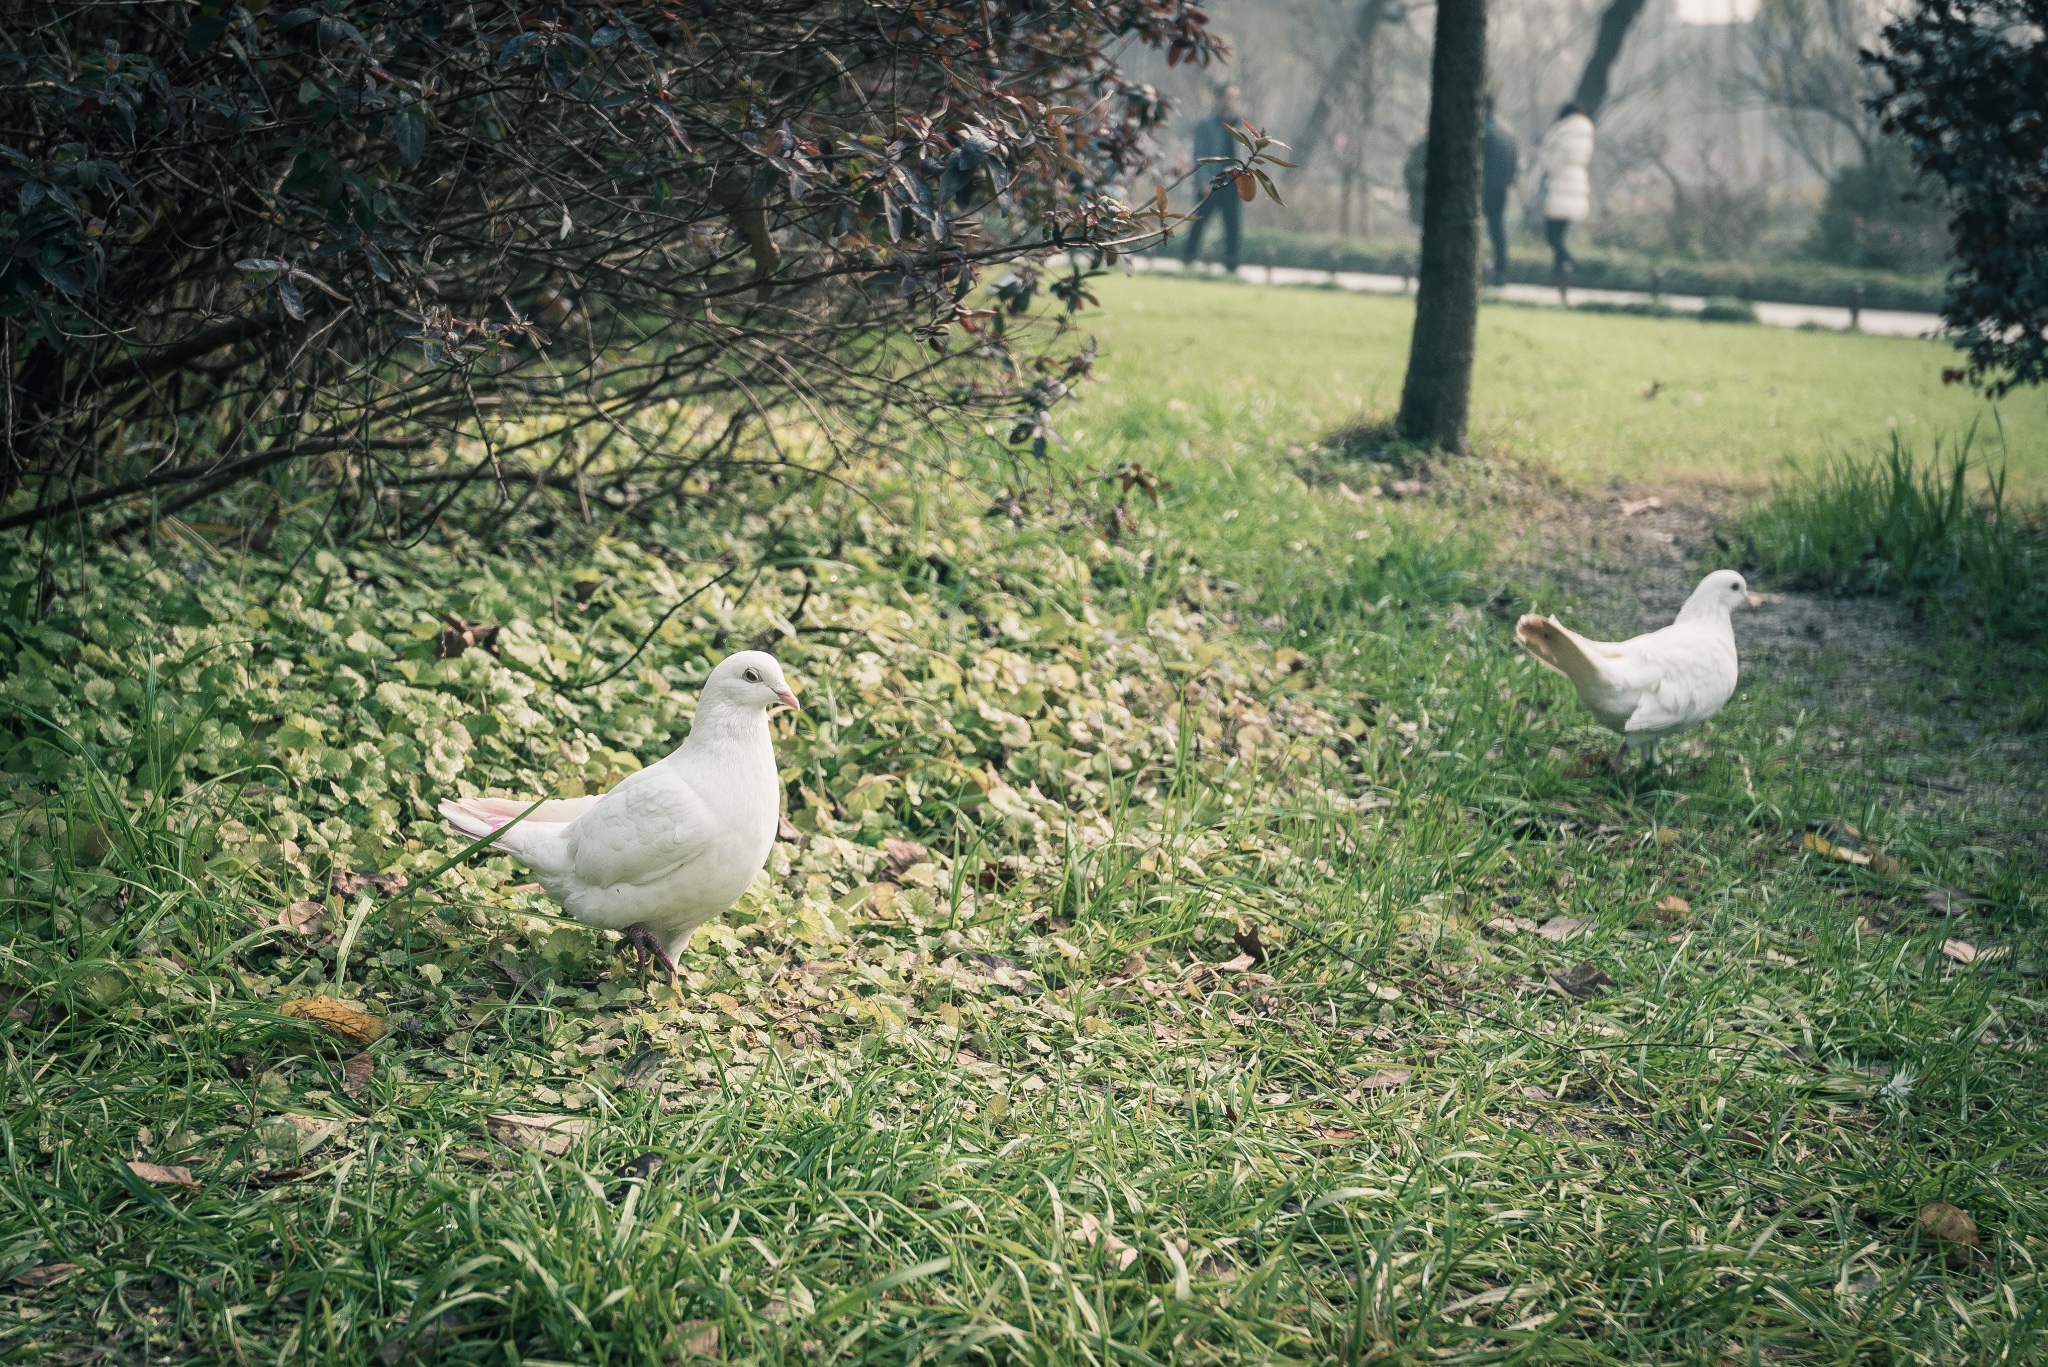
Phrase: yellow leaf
(555, 1134)
(345, 1021)
(162, 1176)
(1950, 1224)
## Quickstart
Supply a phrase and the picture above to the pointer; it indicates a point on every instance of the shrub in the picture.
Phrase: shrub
(1969, 96)
(1723, 310)
(239, 237)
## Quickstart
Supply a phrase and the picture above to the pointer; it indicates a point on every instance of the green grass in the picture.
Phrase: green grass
(1022, 1105)
(1916, 530)
(1732, 405)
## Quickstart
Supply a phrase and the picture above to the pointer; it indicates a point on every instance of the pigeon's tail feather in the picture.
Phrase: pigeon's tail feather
(472, 823)
(1539, 636)
(1559, 647)
(543, 844)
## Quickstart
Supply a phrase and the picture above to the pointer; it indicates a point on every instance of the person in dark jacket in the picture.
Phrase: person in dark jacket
(1212, 139)
(1501, 156)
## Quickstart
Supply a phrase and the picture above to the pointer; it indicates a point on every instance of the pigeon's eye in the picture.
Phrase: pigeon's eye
(752, 676)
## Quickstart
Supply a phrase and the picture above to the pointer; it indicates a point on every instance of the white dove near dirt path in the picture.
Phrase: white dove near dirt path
(1657, 684)
(672, 845)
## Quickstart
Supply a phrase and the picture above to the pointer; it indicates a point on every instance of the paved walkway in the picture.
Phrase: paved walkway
(1884, 322)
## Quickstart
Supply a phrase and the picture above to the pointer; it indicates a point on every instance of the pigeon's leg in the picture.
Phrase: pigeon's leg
(638, 937)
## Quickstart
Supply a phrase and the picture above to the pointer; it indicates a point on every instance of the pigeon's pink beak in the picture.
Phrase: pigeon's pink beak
(788, 699)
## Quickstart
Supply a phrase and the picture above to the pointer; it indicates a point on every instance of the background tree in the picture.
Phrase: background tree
(1436, 395)
(1805, 65)
(1967, 89)
(1615, 22)
(399, 249)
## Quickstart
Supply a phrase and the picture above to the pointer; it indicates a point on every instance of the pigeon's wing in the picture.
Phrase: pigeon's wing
(642, 831)
(1681, 687)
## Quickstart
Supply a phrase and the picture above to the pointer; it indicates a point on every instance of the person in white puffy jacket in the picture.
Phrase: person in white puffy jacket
(1567, 196)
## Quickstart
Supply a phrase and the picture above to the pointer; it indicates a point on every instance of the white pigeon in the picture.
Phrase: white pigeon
(676, 843)
(1654, 685)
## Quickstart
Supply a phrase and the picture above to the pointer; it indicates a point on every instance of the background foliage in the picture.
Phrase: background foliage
(235, 238)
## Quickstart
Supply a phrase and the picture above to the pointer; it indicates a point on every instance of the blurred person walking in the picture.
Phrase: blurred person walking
(1502, 157)
(1213, 139)
(1567, 188)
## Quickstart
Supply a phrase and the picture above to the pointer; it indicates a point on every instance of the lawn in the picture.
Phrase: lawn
(1732, 404)
(1277, 972)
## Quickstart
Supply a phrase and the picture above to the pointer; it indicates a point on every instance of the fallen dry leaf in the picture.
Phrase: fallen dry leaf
(1950, 1224)
(1839, 840)
(1963, 952)
(785, 830)
(691, 1339)
(1631, 506)
(1562, 928)
(1505, 926)
(49, 1274)
(1951, 901)
(1092, 1234)
(1674, 903)
(1772, 956)
(1237, 965)
(1580, 980)
(462, 634)
(356, 1074)
(1404, 488)
(647, 1070)
(163, 1176)
(554, 1134)
(901, 854)
(347, 882)
(303, 918)
(1385, 1080)
(1537, 1094)
(315, 1130)
(645, 1166)
(345, 1021)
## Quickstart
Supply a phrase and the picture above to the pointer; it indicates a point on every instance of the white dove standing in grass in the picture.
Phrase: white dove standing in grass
(1654, 685)
(676, 843)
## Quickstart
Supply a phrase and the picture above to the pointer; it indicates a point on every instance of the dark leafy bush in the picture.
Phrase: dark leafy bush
(424, 245)
(1969, 96)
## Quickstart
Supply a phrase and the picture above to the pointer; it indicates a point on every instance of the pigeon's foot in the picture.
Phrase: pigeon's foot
(644, 943)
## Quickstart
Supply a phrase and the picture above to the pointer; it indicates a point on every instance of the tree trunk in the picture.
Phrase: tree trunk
(1438, 390)
(1614, 25)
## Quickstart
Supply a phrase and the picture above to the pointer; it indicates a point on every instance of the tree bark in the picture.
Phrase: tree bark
(1438, 391)
(1614, 26)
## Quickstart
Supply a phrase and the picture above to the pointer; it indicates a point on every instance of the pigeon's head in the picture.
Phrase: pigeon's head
(1722, 591)
(751, 678)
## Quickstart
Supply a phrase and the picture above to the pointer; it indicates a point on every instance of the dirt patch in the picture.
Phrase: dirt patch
(1631, 559)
